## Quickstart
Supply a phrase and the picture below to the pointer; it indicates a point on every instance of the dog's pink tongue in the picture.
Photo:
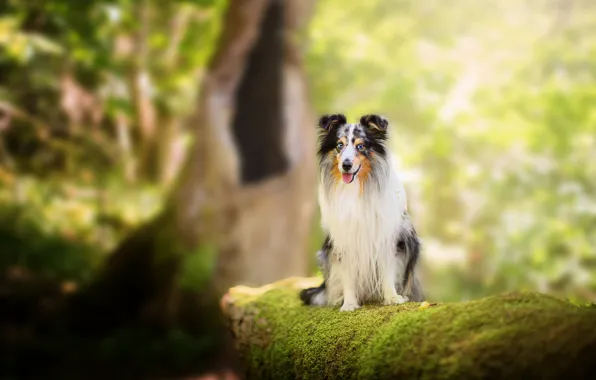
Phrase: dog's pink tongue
(347, 177)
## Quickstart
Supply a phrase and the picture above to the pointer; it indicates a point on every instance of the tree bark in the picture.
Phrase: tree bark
(245, 196)
(248, 185)
(507, 336)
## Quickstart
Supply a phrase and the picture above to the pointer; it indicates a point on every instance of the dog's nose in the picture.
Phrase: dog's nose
(346, 165)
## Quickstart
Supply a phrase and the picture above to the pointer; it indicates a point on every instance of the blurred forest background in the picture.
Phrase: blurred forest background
(494, 124)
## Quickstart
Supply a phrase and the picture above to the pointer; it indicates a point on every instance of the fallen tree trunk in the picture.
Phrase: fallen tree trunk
(518, 335)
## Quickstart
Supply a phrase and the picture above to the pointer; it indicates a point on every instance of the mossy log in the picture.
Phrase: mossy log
(508, 336)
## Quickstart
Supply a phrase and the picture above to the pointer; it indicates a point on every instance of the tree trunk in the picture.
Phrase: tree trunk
(253, 172)
(507, 336)
(248, 185)
(243, 202)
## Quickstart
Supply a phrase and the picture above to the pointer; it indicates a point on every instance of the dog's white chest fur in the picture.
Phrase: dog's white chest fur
(363, 228)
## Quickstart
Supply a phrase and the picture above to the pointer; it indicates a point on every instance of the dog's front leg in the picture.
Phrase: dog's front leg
(348, 283)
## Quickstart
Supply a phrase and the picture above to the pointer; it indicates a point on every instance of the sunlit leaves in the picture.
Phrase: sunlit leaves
(22, 46)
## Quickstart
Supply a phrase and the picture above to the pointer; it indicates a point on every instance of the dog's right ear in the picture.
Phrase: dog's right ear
(328, 122)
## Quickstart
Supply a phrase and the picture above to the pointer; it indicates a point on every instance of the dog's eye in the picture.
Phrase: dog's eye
(340, 145)
(360, 147)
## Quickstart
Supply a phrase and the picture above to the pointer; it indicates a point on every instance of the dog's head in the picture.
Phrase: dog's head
(352, 148)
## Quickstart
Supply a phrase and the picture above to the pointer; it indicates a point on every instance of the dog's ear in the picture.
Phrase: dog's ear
(376, 123)
(328, 122)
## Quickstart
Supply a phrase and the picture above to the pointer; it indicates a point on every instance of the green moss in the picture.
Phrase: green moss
(196, 263)
(197, 266)
(511, 335)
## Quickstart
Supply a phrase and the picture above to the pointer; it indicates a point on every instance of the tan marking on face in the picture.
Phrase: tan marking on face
(335, 170)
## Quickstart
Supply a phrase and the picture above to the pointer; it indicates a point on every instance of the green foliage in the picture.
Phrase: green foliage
(134, 65)
(63, 230)
(75, 187)
(197, 267)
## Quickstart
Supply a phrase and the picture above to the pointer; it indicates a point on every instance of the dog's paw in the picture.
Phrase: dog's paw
(349, 307)
(395, 300)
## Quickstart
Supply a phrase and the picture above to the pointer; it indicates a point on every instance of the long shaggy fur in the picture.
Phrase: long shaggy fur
(371, 249)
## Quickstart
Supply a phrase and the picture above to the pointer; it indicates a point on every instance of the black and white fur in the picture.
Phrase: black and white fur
(371, 249)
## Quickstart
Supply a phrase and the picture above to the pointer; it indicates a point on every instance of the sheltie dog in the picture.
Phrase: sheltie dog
(371, 247)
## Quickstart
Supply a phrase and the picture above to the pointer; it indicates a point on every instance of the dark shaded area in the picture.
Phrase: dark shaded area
(259, 116)
(115, 298)
(38, 342)
(49, 331)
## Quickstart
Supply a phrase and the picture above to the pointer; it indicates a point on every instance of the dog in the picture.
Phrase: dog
(371, 247)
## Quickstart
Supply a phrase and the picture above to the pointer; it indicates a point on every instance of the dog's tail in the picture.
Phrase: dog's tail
(314, 296)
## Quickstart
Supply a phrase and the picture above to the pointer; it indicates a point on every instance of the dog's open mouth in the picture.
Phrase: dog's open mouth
(349, 177)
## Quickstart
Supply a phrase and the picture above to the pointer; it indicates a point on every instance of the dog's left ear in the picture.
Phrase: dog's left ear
(376, 122)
